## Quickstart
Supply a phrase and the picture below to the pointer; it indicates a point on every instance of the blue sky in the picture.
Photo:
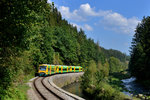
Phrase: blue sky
(111, 22)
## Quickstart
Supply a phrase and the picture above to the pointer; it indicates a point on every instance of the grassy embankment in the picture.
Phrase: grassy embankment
(18, 91)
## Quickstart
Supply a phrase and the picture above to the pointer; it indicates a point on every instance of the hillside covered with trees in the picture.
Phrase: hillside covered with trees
(139, 64)
(33, 32)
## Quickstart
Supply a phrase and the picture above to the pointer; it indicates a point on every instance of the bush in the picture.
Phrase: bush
(94, 83)
(106, 92)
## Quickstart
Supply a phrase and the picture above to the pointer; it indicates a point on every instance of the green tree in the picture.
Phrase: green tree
(139, 64)
(56, 59)
(114, 64)
(92, 69)
(89, 79)
(33, 32)
(115, 53)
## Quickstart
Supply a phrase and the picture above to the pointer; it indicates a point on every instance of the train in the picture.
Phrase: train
(47, 69)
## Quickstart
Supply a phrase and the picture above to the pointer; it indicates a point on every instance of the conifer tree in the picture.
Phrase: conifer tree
(139, 64)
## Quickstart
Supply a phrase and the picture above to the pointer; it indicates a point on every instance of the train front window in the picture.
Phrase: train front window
(43, 68)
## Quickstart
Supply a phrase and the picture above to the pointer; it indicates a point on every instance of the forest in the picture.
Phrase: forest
(139, 65)
(33, 32)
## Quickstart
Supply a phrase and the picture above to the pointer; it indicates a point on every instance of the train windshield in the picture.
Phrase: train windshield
(43, 68)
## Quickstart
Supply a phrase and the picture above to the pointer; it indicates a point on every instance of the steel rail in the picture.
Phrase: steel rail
(43, 96)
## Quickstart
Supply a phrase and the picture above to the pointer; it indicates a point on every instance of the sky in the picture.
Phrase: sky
(110, 22)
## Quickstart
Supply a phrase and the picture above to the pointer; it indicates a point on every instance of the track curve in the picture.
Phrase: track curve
(43, 91)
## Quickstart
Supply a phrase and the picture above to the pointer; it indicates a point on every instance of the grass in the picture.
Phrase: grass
(18, 92)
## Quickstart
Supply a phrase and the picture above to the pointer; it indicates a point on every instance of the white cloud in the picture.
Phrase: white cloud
(88, 27)
(87, 10)
(80, 14)
(49, 1)
(108, 19)
(65, 11)
(116, 22)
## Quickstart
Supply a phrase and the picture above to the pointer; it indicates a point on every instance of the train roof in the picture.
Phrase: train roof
(58, 65)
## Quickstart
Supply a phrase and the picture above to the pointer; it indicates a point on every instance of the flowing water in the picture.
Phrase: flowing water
(133, 87)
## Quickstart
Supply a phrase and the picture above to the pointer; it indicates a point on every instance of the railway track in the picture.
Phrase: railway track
(47, 90)
(44, 93)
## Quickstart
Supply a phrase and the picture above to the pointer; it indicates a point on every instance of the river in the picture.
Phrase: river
(133, 87)
(74, 88)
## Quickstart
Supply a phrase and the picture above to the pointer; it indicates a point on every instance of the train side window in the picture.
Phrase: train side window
(52, 69)
(48, 69)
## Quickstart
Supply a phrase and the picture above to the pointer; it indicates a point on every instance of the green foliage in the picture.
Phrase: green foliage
(92, 70)
(88, 79)
(115, 53)
(95, 81)
(115, 80)
(56, 59)
(66, 45)
(106, 92)
(140, 51)
(19, 91)
(104, 68)
(114, 64)
(32, 33)
(99, 89)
